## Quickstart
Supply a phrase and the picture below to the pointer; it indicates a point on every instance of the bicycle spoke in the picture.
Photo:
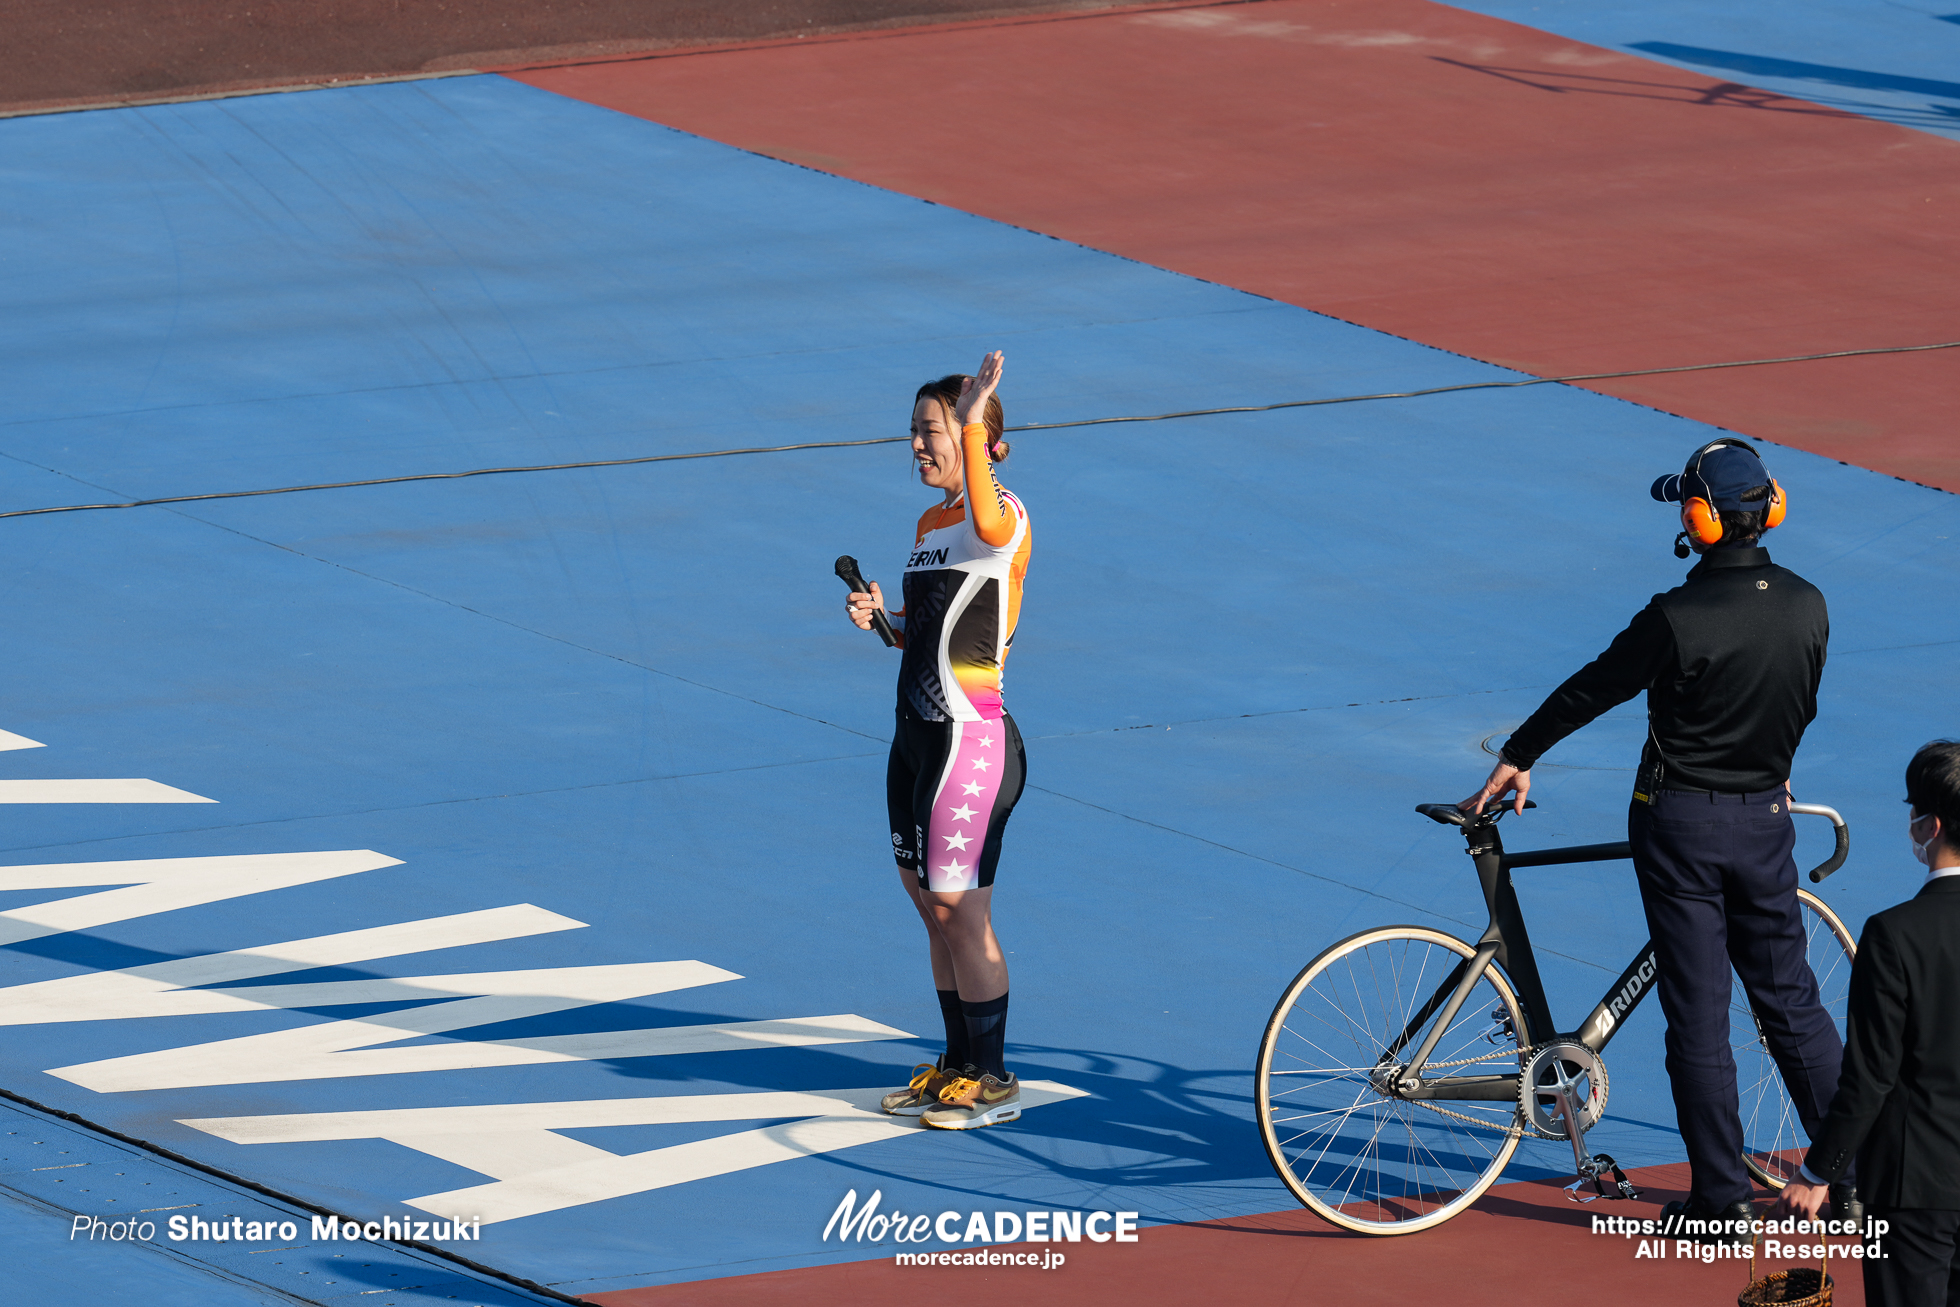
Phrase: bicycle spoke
(1331, 1026)
(1340, 1072)
(1342, 1112)
(1343, 1143)
(1773, 1134)
(1367, 1151)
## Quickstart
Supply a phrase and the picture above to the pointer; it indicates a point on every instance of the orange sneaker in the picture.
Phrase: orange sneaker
(975, 1100)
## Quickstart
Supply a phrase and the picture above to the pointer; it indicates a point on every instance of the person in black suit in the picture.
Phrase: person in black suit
(1897, 1108)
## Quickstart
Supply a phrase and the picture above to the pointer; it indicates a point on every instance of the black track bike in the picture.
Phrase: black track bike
(1403, 1065)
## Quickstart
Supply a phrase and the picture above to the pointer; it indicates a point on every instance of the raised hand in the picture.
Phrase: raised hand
(974, 390)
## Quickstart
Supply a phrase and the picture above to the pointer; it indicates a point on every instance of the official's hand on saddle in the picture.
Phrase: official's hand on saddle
(1503, 779)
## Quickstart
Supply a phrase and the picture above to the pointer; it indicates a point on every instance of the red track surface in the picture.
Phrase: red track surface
(1444, 176)
(72, 52)
(1521, 1243)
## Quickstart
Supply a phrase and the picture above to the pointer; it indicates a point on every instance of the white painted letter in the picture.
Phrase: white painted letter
(162, 885)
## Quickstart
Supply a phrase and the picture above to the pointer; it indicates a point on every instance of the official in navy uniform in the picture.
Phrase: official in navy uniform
(1730, 661)
(1897, 1109)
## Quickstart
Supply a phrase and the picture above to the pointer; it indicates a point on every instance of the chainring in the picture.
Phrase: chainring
(1538, 1105)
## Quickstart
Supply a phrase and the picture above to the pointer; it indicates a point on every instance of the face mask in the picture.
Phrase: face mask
(1919, 847)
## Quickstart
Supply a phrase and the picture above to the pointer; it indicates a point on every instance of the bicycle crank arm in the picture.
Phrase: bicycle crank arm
(1575, 1126)
(1479, 1089)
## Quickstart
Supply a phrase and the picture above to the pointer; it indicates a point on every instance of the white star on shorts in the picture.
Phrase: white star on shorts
(953, 868)
(981, 764)
(958, 841)
(986, 741)
(973, 787)
(961, 813)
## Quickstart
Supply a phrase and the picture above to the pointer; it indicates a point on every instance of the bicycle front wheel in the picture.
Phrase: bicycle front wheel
(1346, 1146)
(1774, 1141)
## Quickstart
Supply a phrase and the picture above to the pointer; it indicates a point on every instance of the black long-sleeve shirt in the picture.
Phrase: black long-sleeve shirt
(1730, 660)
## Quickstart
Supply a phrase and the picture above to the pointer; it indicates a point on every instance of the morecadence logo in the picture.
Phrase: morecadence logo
(866, 1224)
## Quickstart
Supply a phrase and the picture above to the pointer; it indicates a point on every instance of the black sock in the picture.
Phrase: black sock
(986, 1035)
(949, 1012)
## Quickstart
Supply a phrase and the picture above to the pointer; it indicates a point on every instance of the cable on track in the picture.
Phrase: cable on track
(1030, 426)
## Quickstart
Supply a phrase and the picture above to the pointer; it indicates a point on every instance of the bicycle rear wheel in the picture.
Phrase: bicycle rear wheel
(1774, 1141)
(1342, 1142)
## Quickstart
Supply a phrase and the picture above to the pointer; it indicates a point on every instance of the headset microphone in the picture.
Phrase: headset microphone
(1681, 545)
(847, 570)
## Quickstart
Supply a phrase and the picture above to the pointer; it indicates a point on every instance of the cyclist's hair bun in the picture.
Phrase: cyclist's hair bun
(947, 391)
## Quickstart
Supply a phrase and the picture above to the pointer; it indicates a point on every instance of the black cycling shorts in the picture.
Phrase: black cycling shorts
(950, 787)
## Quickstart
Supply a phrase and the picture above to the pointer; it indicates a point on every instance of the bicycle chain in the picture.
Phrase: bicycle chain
(1514, 1128)
(1462, 1061)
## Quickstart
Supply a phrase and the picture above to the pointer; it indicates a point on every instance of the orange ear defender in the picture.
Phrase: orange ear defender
(1705, 521)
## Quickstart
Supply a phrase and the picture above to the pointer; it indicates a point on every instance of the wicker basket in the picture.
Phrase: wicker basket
(1799, 1286)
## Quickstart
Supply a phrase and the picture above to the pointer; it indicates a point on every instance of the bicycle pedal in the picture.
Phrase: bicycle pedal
(1595, 1167)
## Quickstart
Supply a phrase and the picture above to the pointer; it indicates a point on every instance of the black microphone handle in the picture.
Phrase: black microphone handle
(847, 571)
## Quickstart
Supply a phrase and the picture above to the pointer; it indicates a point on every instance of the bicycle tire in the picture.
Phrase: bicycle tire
(1774, 1141)
(1420, 1179)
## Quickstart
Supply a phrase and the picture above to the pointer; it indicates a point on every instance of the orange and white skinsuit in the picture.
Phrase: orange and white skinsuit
(957, 765)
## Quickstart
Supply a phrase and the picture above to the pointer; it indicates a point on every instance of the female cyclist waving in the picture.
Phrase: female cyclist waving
(957, 765)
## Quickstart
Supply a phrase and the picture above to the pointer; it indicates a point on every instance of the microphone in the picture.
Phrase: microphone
(847, 571)
(1680, 545)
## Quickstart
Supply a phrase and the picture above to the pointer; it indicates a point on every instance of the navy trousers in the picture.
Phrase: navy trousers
(1720, 888)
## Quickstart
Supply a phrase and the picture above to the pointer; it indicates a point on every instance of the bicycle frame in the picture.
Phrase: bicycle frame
(1507, 942)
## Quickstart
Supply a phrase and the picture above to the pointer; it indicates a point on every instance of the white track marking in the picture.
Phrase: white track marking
(345, 1048)
(512, 1141)
(325, 1050)
(727, 1036)
(163, 885)
(592, 1113)
(162, 989)
(661, 1168)
(508, 1154)
(126, 790)
(8, 740)
(342, 1048)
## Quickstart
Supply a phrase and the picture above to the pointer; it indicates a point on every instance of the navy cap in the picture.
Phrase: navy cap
(1720, 477)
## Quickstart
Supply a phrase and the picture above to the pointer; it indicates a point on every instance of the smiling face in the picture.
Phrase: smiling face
(936, 446)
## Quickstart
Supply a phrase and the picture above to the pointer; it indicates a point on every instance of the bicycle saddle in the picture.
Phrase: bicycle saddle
(1448, 814)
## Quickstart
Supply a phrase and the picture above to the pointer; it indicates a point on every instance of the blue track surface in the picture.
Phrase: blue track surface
(627, 696)
(53, 1173)
(1894, 60)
